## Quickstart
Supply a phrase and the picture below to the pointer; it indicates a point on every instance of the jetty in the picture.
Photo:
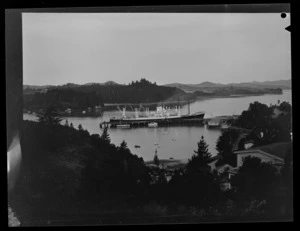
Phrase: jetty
(160, 123)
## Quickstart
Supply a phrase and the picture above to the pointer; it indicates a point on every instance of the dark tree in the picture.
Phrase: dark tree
(201, 157)
(105, 136)
(241, 145)
(80, 127)
(71, 125)
(257, 115)
(50, 116)
(67, 123)
(255, 179)
(123, 147)
(155, 159)
(226, 144)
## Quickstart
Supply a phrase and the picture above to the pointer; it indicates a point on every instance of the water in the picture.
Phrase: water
(177, 142)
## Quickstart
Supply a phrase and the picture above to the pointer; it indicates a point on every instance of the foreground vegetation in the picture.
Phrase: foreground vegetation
(68, 173)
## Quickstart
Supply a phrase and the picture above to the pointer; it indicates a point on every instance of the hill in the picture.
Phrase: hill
(81, 97)
(106, 83)
(283, 84)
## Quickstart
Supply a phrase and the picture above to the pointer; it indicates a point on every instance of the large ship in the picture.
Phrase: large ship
(160, 115)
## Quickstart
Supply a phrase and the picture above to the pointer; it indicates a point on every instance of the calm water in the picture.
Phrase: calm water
(177, 142)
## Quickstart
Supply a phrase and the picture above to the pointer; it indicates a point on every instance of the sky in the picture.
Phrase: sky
(189, 48)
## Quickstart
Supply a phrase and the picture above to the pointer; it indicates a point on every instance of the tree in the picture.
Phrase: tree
(155, 159)
(257, 115)
(225, 146)
(255, 179)
(123, 147)
(67, 123)
(71, 125)
(105, 136)
(201, 157)
(50, 116)
(80, 127)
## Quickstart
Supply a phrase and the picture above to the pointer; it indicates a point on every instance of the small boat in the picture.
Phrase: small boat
(152, 125)
(213, 123)
(224, 126)
(137, 146)
(123, 126)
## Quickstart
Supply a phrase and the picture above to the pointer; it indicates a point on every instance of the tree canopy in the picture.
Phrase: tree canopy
(225, 146)
(200, 158)
(50, 116)
(267, 126)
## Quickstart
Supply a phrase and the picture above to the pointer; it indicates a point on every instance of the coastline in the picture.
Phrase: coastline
(112, 106)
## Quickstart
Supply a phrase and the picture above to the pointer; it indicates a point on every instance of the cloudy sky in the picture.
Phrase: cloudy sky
(59, 48)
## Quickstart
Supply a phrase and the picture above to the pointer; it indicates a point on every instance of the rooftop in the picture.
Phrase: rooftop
(276, 149)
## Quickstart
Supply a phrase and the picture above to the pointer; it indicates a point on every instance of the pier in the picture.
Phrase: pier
(161, 123)
(169, 122)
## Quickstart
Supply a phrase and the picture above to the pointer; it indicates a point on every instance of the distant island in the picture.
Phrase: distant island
(90, 99)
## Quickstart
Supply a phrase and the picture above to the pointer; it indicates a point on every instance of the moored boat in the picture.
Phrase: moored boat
(123, 125)
(152, 125)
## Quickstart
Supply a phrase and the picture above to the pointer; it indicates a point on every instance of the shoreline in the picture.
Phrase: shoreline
(199, 98)
(109, 106)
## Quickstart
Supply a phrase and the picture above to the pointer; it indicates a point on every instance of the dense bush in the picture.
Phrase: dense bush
(63, 167)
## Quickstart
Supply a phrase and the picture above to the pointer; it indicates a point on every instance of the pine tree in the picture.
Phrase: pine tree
(67, 123)
(105, 136)
(71, 125)
(200, 158)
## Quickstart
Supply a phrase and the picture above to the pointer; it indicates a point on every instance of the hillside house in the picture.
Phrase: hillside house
(272, 153)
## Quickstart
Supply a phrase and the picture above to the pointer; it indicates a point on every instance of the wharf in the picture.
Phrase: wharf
(160, 123)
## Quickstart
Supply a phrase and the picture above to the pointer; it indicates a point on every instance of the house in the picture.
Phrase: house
(272, 153)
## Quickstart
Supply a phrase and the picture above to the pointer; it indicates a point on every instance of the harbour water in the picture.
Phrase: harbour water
(177, 142)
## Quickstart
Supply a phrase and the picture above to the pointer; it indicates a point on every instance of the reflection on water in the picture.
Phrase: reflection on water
(178, 142)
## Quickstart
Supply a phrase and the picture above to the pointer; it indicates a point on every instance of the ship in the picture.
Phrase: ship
(160, 115)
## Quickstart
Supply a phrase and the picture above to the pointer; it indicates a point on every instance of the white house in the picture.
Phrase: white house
(272, 153)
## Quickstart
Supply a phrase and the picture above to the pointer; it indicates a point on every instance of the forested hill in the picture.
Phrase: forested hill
(141, 91)
(76, 96)
(62, 98)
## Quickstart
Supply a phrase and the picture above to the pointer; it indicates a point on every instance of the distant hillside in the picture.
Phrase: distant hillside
(283, 84)
(76, 96)
(106, 83)
(207, 85)
(26, 87)
(62, 98)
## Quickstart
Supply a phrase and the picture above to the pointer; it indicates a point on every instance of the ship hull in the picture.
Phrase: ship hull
(158, 119)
